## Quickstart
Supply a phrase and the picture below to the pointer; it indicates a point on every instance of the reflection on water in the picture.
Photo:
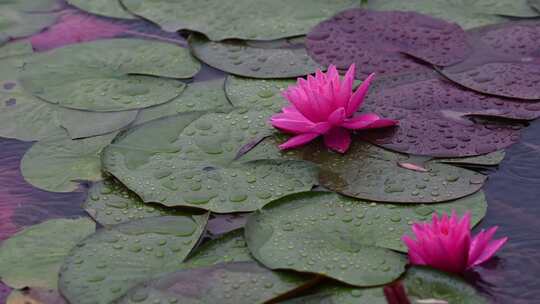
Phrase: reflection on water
(513, 194)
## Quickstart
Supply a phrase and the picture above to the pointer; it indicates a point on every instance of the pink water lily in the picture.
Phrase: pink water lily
(446, 244)
(325, 105)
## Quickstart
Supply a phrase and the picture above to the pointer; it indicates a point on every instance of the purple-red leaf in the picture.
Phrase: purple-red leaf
(379, 41)
(505, 61)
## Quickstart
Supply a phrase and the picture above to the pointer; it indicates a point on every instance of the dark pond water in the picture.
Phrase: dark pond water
(513, 193)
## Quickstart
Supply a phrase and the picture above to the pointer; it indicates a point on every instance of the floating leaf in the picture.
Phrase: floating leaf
(33, 256)
(110, 8)
(304, 233)
(376, 42)
(100, 75)
(197, 166)
(253, 93)
(81, 124)
(57, 163)
(16, 48)
(243, 19)
(24, 18)
(198, 96)
(276, 59)
(230, 247)
(111, 203)
(230, 283)
(535, 4)
(35, 296)
(372, 173)
(423, 285)
(439, 118)
(505, 62)
(490, 159)
(467, 13)
(110, 262)
(224, 223)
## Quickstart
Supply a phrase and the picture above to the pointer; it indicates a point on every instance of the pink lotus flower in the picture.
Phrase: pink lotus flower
(325, 105)
(446, 244)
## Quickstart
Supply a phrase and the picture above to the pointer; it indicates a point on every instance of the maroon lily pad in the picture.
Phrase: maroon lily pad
(75, 26)
(505, 61)
(381, 42)
(439, 118)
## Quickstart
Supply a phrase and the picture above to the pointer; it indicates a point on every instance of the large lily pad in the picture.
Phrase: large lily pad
(229, 283)
(490, 159)
(276, 59)
(254, 93)
(467, 13)
(57, 163)
(24, 18)
(535, 4)
(439, 118)
(33, 256)
(305, 233)
(376, 42)
(111, 203)
(110, 75)
(197, 166)
(110, 262)
(505, 61)
(198, 96)
(110, 8)
(372, 173)
(230, 247)
(422, 285)
(243, 19)
(16, 48)
(81, 124)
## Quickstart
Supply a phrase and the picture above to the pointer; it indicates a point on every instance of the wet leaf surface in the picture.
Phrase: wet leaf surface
(439, 118)
(490, 159)
(59, 163)
(110, 262)
(112, 75)
(111, 203)
(372, 173)
(467, 13)
(242, 19)
(275, 59)
(24, 18)
(33, 256)
(299, 233)
(197, 165)
(234, 283)
(110, 8)
(423, 285)
(505, 61)
(378, 41)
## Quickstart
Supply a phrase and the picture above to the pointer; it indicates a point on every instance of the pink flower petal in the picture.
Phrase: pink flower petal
(338, 139)
(489, 251)
(298, 140)
(358, 97)
(337, 117)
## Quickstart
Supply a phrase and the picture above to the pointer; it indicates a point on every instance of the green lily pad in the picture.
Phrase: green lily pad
(535, 4)
(33, 256)
(81, 124)
(373, 173)
(422, 284)
(277, 59)
(110, 8)
(16, 48)
(110, 75)
(490, 159)
(266, 94)
(199, 96)
(242, 19)
(467, 13)
(227, 248)
(111, 203)
(110, 262)
(20, 18)
(197, 166)
(305, 233)
(229, 283)
(57, 163)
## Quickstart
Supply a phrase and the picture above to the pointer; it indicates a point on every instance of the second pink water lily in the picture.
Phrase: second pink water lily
(326, 105)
